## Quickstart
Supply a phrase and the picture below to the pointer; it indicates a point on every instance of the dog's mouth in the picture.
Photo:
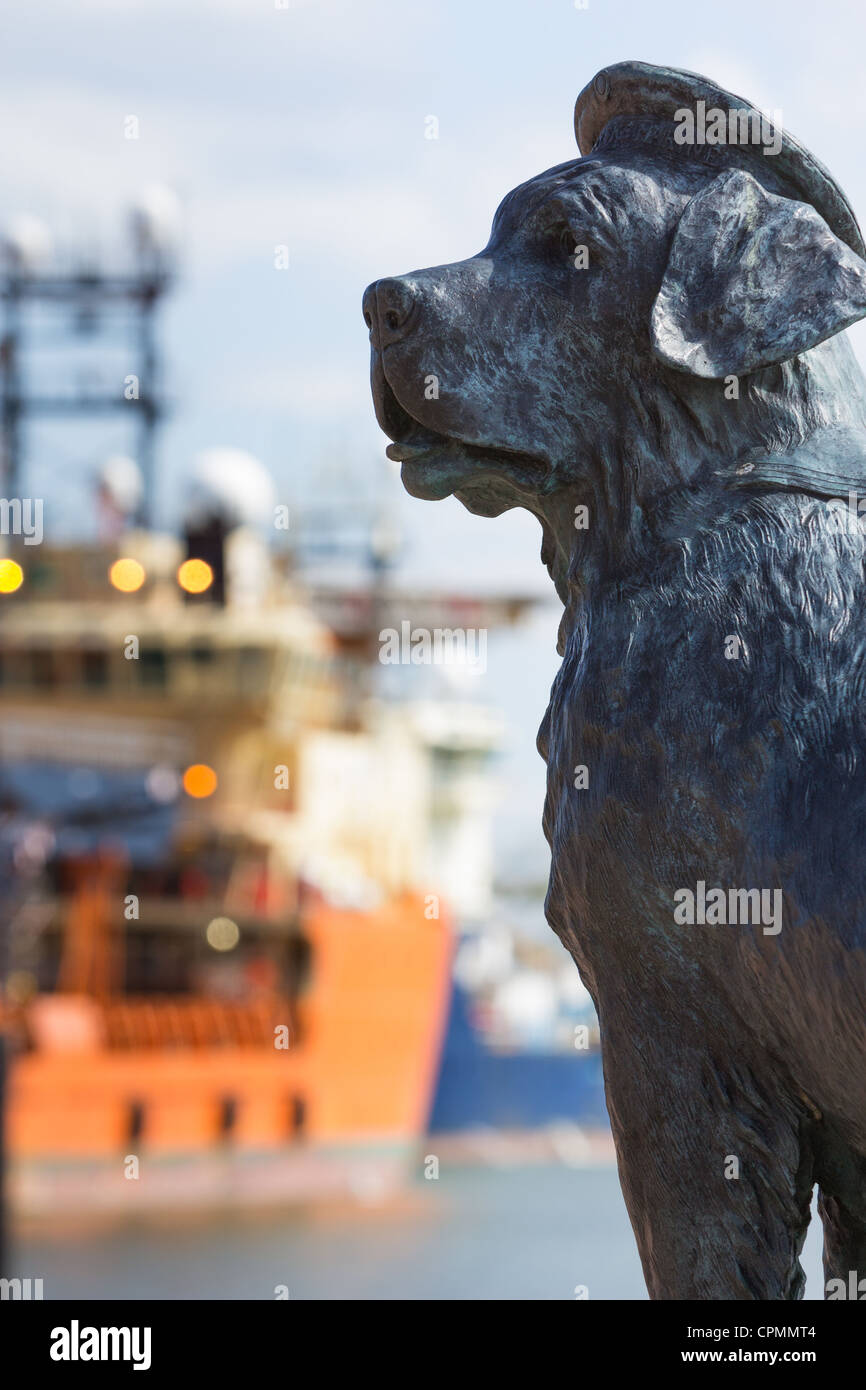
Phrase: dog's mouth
(436, 465)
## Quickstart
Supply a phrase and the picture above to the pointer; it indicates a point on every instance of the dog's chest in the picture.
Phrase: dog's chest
(705, 732)
(654, 778)
(605, 733)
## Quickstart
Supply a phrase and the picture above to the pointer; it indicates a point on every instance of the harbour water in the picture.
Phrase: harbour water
(526, 1232)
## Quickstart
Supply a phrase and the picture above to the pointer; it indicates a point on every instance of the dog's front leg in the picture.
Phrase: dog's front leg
(715, 1172)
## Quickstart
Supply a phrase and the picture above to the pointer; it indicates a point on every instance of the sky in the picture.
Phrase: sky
(304, 126)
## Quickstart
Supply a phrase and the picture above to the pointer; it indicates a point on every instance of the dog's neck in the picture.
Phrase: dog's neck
(803, 430)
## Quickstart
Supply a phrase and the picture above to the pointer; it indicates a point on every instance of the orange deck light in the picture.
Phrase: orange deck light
(195, 576)
(127, 575)
(199, 780)
(11, 576)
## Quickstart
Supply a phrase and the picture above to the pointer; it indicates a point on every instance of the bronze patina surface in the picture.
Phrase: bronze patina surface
(649, 356)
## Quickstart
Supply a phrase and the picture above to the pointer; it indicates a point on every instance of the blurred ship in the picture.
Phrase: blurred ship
(521, 1051)
(230, 952)
(235, 848)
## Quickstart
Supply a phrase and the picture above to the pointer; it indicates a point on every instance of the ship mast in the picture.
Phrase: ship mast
(91, 295)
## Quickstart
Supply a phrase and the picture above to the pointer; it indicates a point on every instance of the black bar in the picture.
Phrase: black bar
(598, 1343)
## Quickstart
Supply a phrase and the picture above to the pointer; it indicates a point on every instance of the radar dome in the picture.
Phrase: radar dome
(231, 485)
(121, 484)
(26, 244)
(155, 220)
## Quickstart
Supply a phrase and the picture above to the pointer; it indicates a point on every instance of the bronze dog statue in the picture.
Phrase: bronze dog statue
(649, 356)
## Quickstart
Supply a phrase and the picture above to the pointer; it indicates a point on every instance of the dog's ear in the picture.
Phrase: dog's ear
(752, 279)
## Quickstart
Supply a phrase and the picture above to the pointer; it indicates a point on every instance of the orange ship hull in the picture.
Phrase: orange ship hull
(249, 1120)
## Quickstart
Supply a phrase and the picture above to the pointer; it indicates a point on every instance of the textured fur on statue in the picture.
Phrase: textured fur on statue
(649, 355)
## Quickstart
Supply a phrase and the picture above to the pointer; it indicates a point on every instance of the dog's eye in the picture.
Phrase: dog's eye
(565, 241)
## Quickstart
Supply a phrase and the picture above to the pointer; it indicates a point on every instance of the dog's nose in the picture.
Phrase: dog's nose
(388, 306)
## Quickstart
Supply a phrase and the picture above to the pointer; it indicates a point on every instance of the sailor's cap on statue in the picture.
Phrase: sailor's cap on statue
(634, 90)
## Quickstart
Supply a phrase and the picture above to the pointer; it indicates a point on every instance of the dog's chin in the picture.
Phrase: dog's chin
(485, 480)
(437, 465)
(435, 474)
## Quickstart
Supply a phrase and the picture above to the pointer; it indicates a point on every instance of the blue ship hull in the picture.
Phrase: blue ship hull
(518, 1090)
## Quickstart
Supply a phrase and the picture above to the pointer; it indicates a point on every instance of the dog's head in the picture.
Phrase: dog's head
(638, 315)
